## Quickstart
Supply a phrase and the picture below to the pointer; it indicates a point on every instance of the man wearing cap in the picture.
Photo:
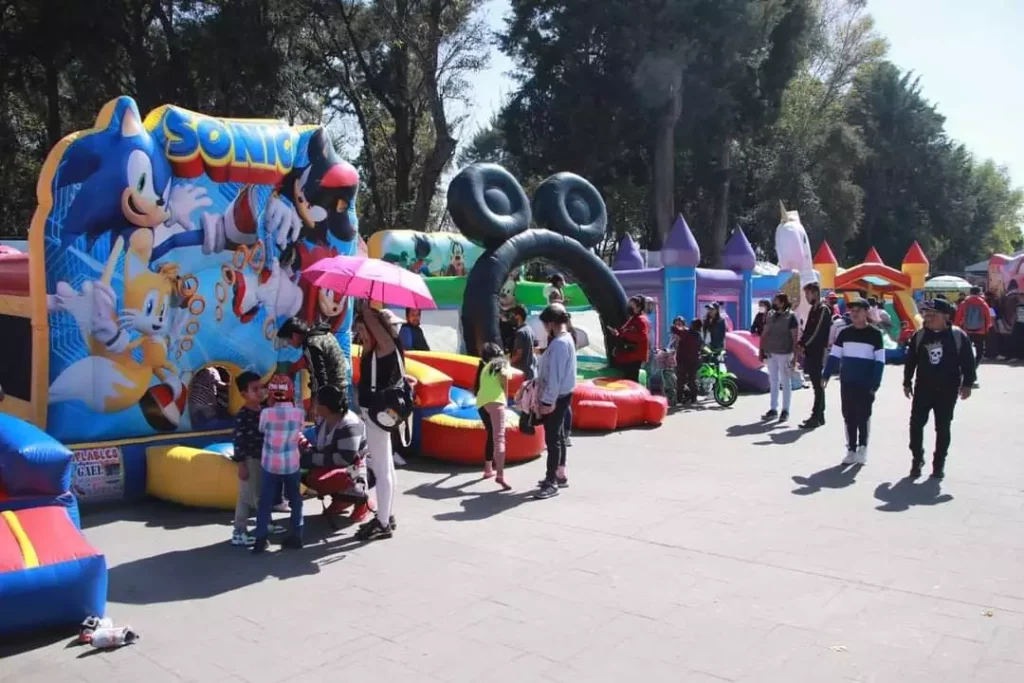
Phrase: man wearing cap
(714, 326)
(859, 355)
(941, 356)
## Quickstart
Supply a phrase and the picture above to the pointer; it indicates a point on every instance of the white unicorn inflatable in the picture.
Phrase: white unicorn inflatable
(793, 250)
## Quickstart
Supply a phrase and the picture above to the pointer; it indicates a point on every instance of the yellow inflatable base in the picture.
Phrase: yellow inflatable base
(191, 476)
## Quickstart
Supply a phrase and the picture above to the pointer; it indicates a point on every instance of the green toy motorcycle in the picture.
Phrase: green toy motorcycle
(714, 379)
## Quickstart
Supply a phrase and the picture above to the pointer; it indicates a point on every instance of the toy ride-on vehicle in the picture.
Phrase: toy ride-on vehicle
(714, 380)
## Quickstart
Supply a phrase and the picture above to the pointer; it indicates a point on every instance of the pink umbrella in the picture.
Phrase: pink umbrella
(372, 279)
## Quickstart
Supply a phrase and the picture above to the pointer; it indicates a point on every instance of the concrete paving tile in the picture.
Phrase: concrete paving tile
(712, 570)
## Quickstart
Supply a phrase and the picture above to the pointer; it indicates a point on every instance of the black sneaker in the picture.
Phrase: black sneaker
(547, 490)
(373, 530)
(260, 545)
(392, 524)
(292, 541)
(784, 416)
(770, 415)
(561, 482)
(938, 475)
(811, 423)
(915, 470)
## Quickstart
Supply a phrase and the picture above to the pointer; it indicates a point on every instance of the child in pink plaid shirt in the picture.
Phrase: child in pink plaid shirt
(281, 424)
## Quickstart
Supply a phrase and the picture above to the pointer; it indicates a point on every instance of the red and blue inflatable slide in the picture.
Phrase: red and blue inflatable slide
(49, 574)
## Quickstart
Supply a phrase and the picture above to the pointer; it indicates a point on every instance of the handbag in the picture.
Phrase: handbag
(390, 407)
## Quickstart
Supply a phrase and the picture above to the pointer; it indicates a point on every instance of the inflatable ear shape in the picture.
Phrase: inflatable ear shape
(569, 205)
(487, 204)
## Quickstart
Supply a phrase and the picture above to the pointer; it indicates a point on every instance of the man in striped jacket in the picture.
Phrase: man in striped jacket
(859, 355)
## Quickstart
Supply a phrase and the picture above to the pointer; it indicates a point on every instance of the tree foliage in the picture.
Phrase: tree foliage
(758, 101)
(398, 64)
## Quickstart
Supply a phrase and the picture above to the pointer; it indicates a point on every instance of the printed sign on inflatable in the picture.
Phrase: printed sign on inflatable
(173, 244)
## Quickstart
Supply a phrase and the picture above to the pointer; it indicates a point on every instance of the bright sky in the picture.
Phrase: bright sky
(967, 52)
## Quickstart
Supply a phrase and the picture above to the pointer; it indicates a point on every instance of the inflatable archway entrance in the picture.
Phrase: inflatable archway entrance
(480, 309)
(490, 207)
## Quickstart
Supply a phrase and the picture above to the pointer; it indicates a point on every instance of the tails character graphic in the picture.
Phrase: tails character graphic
(456, 263)
(125, 189)
(110, 380)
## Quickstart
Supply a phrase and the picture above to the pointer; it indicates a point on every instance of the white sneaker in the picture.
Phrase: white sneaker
(398, 460)
(242, 538)
(851, 457)
(862, 455)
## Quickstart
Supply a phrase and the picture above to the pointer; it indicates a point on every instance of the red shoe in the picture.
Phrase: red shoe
(362, 511)
(338, 506)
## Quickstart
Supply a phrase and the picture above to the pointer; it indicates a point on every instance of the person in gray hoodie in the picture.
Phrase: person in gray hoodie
(557, 378)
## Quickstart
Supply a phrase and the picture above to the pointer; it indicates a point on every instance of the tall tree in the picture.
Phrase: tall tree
(396, 67)
(705, 72)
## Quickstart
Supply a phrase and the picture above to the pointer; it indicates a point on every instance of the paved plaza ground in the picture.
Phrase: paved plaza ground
(711, 549)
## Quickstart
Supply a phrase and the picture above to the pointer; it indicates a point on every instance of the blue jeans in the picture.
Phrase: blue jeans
(271, 484)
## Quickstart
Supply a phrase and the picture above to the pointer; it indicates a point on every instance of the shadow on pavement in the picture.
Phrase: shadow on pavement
(476, 505)
(155, 514)
(485, 505)
(781, 438)
(211, 570)
(759, 427)
(905, 494)
(836, 477)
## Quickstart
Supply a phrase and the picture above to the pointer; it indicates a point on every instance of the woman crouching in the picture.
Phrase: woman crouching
(336, 459)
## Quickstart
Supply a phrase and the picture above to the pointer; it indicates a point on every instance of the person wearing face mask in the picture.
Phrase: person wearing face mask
(557, 378)
(633, 340)
(778, 344)
(757, 327)
(714, 327)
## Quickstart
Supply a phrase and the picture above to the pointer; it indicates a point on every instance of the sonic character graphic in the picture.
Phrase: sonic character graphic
(125, 189)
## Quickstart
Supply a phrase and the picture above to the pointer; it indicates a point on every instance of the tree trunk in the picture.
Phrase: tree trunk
(53, 119)
(723, 180)
(665, 170)
(444, 144)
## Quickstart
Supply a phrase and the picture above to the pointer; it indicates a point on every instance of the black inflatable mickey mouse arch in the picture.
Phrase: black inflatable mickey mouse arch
(491, 209)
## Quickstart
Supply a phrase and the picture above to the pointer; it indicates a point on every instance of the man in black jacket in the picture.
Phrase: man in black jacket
(321, 354)
(942, 357)
(812, 347)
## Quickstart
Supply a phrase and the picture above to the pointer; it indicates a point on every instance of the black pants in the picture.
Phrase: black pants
(686, 381)
(979, 347)
(554, 436)
(814, 364)
(938, 401)
(489, 448)
(857, 402)
(631, 370)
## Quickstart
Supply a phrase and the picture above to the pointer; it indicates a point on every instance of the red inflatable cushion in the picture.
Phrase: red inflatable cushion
(596, 415)
(657, 409)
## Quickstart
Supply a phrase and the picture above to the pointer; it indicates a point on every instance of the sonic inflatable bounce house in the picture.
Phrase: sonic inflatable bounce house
(165, 249)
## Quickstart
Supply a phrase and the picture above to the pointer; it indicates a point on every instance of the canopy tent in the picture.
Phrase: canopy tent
(947, 283)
